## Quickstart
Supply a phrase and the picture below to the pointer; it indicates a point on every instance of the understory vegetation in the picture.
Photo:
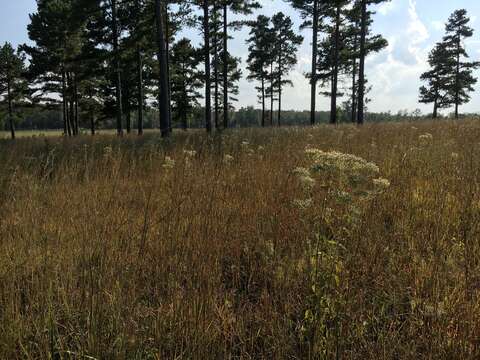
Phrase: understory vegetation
(296, 243)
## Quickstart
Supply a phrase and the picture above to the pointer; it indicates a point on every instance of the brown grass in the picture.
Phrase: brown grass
(107, 254)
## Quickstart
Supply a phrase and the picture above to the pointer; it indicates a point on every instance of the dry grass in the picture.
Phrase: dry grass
(109, 253)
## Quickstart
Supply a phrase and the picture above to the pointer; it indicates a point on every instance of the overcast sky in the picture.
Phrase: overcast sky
(411, 26)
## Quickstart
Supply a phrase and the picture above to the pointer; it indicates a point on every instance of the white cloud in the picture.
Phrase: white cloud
(386, 8)
(395, 78)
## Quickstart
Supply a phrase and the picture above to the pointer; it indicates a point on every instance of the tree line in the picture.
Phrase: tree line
(97, 60)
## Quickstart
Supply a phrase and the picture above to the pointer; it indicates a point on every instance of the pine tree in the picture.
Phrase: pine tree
(285, 54)
(244, 7)
(204, 21)
(437, 79)
(259, 49)
(365, 22)
(462, 80)
(52, 57)
(373, 44)
(310, 11)
(12, 83)
(186, 80)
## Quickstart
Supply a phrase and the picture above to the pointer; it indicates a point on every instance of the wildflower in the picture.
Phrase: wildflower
(227, 159)
(301, 171)
(455, 156)
(381, 184)
(303, 204)
(190, 153)
(107, 150)
(169, 163)
(305, 177)
(307, 181)
(426, 138)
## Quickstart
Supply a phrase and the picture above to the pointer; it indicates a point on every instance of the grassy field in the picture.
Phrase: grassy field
(258, 244)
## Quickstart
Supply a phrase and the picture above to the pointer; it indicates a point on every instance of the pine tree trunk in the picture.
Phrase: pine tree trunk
(271, 93)
(167, 45)
(435, 108)
(139, 72)
(163, 81)
(279, 115)
(208, 101)
(313, 80)
(92, 124)
(71, 114)
(457, 80)
(225, 66)
(64, 106)
(10, 106)
(263, 101)
(128, 115)
(354, 82)
(333, 103)
(215, 70)
(75, 100)
(140, 91)
(118, 90)
(361, 75)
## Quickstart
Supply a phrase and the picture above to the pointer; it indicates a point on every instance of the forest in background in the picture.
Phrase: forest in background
(102, 64)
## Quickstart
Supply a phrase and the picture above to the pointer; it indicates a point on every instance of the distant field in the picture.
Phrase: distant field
(31, 133)
(56, 133)
(301, 243)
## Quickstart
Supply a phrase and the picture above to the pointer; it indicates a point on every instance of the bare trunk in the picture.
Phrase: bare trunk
(118, 95)
(361, 75)
(215, 70)
(208, 104)
(92, 124)
(313, 80)
(354, 82)
(333, 104)
(225, 66)
(64, 105)
(75, 100)
(10, 106)
(279, 115)
(140, 91)
(263, 101)
(163, 81)
(167, 45)
(457, 81)
(271, 93)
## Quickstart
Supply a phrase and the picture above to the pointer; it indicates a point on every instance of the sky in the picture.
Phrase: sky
(411, 27)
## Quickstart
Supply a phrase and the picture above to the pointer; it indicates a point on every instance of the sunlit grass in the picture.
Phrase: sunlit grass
(195, 247)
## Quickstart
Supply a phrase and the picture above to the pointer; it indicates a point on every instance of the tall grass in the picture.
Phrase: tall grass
(194, 247)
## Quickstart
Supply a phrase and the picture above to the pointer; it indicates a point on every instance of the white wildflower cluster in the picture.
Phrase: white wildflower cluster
(426, 138)
(349, 165)
(381, 184)
(107, 151)
(246, 147)
(345, 177)
(305, 177)
(189, 156)
(169, 163)
(228, 159)
(303, 204)
(190, 153)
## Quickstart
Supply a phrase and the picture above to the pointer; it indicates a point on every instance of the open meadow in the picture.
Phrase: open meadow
(252, 244)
